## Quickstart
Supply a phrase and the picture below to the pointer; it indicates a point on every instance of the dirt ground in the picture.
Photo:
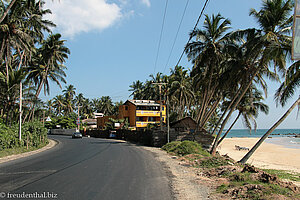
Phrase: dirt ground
(187, 183)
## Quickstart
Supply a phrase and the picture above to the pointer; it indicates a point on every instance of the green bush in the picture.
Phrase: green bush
(9, 136)
(170, 147)
(213, 162)
(185, 148)
(66, 122)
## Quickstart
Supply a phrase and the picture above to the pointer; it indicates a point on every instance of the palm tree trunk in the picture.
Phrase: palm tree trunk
(219, 142)
(202, 106)
(262, 139)
(7, 10)
(212, 110)
(214, 148)
(207, 113)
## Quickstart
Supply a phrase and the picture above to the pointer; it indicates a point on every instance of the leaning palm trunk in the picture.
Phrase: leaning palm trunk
(214, 148)
(219, 142)
(249, 154)
(7, 10)
(208, 112)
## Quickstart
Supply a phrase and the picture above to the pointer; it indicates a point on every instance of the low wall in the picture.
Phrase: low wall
(204, 139)
(141, 137)
(156, 137)
(62, 131)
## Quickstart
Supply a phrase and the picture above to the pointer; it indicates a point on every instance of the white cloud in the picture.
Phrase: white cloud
(146, 2)
(76, 16)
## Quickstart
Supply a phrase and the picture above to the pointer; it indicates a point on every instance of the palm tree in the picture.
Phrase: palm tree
(275, 21)
(49, 63)
(180, 92)
(248, 108)
(106, 105)
(10, 90)
(49, 105)
(14, 35)
(207, 54)
(58, 102)
(137, 89)
(69, 92)
(285, 91)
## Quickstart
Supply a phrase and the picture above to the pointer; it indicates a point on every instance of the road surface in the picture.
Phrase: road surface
(88, 168)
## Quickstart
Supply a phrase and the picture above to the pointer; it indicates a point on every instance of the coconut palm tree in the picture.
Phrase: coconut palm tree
(69, 92)
(275, 20)
(14, 35)
(10, 90)
(285, 91)
(58, 104)
(49, 63)
(137, 89)
(180, 93)
(106, 105)
(248, 108)
(206, 53)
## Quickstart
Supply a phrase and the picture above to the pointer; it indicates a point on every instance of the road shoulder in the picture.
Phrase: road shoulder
(184, 180)
(51, 144)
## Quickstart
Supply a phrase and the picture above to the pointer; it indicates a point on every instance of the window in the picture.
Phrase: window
(151, 119)
(139, 119)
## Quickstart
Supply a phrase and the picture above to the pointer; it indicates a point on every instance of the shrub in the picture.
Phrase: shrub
(213, 162)
(169, 147)
(9, 136)
(185, 148)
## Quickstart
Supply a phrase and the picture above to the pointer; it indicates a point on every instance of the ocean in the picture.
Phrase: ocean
(278, 136)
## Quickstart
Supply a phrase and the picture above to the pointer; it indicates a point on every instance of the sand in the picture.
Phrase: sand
(267, 156)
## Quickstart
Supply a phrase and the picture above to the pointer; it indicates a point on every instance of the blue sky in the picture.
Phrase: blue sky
(115, 42)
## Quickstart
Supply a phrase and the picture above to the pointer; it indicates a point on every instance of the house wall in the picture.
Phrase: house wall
(129, 111)
(131, 114)
(101, 121)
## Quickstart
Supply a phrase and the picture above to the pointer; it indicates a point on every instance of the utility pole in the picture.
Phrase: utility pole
(168, 119)
(78, 119)
(20, 114)
(159, 85)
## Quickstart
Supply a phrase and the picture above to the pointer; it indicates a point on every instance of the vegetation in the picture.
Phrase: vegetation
(286, 175)
(242, 181)
(184, 148)
(34, 136)
(228, 68)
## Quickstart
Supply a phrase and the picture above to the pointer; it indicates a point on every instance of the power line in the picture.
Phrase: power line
(206, 2)
(161, 32)
(187, 2)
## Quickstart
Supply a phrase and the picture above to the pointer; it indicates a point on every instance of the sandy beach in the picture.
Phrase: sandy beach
(268, 156)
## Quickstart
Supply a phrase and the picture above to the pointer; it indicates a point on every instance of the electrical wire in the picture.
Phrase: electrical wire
(206, 2)
(186, 5)
(161, 32)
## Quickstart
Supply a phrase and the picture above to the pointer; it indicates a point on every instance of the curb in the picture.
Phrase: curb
(51, 144)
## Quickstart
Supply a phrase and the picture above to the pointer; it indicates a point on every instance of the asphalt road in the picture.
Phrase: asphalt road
(88, 168)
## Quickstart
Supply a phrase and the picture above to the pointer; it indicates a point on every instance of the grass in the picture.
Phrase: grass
(285, 175)
(213, 162)
(185, 148)
(239, 179)
(19, 150)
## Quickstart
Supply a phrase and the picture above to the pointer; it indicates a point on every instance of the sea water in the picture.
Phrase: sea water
(278, 136)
